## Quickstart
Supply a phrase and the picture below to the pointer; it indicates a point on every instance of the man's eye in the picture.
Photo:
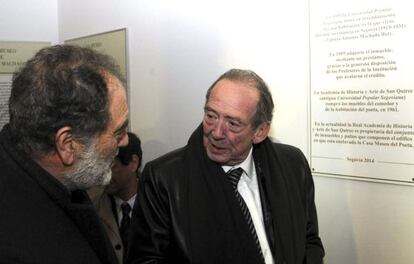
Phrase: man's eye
(234, 124)
(209, 117)
(121, 135)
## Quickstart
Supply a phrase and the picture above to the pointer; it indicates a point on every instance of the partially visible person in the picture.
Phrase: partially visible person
(230, 195)
(115, 201)
(68, 116)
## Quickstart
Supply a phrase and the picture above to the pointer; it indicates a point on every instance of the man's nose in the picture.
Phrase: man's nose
(124, 141)
(218, 129)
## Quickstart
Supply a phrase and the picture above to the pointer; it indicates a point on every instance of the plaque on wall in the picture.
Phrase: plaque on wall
(362, 90)
(13, 55)
(112, 43)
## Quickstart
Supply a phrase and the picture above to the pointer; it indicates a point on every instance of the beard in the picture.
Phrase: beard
(92, 169)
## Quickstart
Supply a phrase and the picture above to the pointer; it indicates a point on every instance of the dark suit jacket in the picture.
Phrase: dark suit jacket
(40, 220)
(186, 211)
(104, 207)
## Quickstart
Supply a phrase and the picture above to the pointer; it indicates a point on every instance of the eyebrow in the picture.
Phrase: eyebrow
(206, 108)
(122, 127)
(232, 118)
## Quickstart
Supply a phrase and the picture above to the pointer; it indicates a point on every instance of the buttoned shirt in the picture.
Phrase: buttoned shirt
(119, 202)
(249, 189)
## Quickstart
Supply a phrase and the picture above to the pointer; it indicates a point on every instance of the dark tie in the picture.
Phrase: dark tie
(234, 177)
(123, 227)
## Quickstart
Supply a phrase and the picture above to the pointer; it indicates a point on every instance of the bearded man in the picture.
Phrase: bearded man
(68, 116)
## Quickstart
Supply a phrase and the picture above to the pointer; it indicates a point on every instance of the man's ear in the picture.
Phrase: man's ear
(261, 133)
(134, 163)
(66, 146)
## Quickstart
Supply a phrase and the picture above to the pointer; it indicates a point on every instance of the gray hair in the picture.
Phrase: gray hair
(60, 86)
(264, 108)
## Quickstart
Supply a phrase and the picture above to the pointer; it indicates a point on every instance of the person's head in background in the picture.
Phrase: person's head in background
(237, 114)
(68, 111)
(125, 170)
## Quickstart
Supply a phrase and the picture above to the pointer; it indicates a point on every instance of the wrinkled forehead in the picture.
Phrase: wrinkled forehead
(118, 100)
(234, 90)
(233, 98)
(112, 82)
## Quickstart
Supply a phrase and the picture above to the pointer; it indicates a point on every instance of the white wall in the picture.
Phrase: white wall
(178, 48)
(363, 222)
(34, 20)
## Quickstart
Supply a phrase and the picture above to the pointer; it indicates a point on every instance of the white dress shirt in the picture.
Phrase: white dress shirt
(119, 202)
(249, 189)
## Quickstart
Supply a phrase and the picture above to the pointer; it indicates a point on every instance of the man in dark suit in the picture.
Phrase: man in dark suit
(115, 201)
(68, 116)
(230, 195)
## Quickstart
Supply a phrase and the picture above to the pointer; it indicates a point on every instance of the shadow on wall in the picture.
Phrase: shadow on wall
(152, 150)
(193, 56)
(190, 57)
(335, 221)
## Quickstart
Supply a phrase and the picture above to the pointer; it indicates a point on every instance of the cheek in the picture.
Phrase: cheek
(123, 178)
(206, 128)
(111, 148)
(205, 141)
(206, 132)
(115, 171)
(235, 142)
(240, 142)
(118, 177)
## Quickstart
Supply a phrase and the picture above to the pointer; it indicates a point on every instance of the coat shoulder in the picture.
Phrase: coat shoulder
(166, 162)
(288, 152)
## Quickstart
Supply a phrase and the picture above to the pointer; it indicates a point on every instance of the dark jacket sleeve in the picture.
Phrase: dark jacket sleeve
(314, 248)
(149, 237)
(296, 165)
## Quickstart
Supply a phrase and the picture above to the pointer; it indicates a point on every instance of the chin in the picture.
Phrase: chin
(217, 158)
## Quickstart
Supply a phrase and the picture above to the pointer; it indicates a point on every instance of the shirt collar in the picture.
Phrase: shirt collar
(246, 165)
(119, 201)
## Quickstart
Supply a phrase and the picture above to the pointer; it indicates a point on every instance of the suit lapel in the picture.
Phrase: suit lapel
(84, 215)
(276, 183)
(107, 212)
(214, 221)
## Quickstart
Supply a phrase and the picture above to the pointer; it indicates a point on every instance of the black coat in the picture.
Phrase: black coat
(186, 211)
(40, 220)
